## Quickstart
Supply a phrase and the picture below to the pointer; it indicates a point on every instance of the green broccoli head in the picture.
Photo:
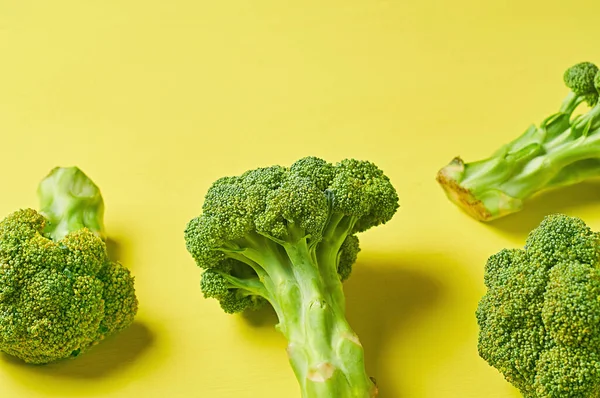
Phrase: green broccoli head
(539, 318)
(311, 199)
(216, 283)
(286, 236)
(580, 78)
(347, 256)
(59, 297)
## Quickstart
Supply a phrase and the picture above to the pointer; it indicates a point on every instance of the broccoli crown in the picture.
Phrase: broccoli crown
(539, 318)
(246, 219)
(57, 298)
(59, 291)
(580, 78)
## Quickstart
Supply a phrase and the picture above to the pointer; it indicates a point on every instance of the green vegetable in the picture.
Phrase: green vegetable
(287, 237)
(562, 151)
(540, 318)
(59, 291)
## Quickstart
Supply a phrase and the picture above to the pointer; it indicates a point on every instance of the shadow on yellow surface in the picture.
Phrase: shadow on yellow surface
(569, 200)
(390, 299)
(114, 250)
(385, 297)
(102, 361)
(263, 317)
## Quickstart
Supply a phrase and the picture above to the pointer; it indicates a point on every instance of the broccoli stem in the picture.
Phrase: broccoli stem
(571, 102)
(541, 170)
(325, 353)
(70, 201)
(578, 171)
(299, 278)
(497, 186)
(328, 251)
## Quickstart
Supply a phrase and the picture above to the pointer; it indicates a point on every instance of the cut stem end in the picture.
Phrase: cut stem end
(489, 206)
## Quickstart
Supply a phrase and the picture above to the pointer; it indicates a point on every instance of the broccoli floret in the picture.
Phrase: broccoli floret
(287, 237)
(580, 79)
(59, 291)
(563, 150)
(539, 321)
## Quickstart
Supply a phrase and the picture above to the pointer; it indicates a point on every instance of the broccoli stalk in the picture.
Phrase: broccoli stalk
(70, 201)
(563, 150)
(286, 236)
(303, 285)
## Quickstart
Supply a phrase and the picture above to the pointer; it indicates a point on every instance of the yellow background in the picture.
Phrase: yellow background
(156, 99)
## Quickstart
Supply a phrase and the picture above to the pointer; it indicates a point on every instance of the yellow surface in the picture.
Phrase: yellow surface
(156, 99)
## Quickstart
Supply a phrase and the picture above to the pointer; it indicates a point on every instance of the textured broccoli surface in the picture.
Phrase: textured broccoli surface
(287, 237)
(59, 291)
(563, 150)
(540, 318)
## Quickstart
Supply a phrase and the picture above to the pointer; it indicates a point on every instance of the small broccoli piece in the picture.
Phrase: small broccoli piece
(563, 150)
(287, 237)
(59, 292)
(539, 321)
(580, 79)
